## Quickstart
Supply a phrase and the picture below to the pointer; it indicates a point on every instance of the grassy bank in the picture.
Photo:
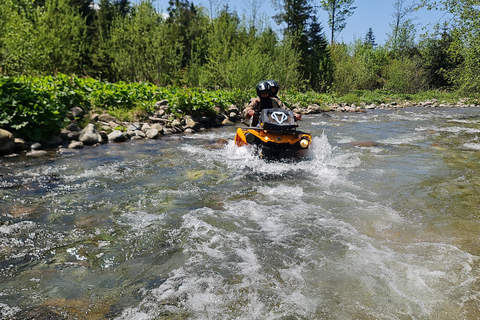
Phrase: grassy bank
(36, 107)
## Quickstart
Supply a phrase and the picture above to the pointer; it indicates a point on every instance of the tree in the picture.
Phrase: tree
(140, 48)
(296, 16)
(338, 12)
(403, 29)
(101, 61)
(402, 39)
(184, 26)
(18, 53)
(437, 60)
(319, 64)
(370, 39)
(61, 37)
(466, 41)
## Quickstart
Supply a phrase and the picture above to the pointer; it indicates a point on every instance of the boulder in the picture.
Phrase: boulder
(7, 142)
(53, 142)
(314, 108)
(117, 136)
(76, 145)
(34, 153)
(104, 136)
(90, 135)
(191, 124)
(20, 144)
(36, 146)
(227, 122)
(152, 134)
(94, 117)
(73, 135)
(106, 118)
(74, 127)
(77, 112)
(158, 126)
(146, 127)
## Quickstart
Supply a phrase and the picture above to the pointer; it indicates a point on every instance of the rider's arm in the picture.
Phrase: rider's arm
(251, 108)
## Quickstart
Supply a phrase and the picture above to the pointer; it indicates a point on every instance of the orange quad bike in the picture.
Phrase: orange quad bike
(276, 137)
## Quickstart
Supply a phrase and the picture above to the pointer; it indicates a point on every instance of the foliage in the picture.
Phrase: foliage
(36, 107)
(139, 47)
(123, 43)
(466, 42)
(33, 110)
(61, 35)
(338, 12)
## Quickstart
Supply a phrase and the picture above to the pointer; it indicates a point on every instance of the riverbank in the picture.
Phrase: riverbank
(105, 128)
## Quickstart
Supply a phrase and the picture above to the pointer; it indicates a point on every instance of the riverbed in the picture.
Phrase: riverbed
(380, 222)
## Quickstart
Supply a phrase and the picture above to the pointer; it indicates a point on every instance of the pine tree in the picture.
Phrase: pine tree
(296, 15)
(319, 70)
(370, 39)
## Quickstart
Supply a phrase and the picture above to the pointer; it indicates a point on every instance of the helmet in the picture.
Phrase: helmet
(263, 87)
(275, 87)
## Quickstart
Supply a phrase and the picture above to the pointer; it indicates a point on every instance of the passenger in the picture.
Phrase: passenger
(264, 101)
(275, 88)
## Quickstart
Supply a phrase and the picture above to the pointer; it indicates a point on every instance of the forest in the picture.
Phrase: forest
(120, 57)
(116, 40)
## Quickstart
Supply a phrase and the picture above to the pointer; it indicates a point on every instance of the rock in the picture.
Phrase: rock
(117, 136)
(176, 123)
(167, 131)
(64, 134)
(37, 153)
(77, 112)
(161, 103)
(74, 127)
(106, 118)
(159, 113)
(7, 142)
(74, 135)
(204, 121)
(152, 134)
(137, 134)
(146, 127)
(94, 117)
(234, 108)
(53, 142)
(76, 145)
(20, 144)
(134, 127)
(104, 136)
(191, 124)
(90, 135)
(158, 126)
(36, 146)
(227, 122)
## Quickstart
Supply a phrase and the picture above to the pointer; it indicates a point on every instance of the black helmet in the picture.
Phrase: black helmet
(263, 87)
(275, 87)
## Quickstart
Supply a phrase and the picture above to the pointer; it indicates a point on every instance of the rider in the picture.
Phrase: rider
(264, 101)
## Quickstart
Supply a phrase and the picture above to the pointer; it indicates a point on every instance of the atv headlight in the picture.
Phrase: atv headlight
(304, 143)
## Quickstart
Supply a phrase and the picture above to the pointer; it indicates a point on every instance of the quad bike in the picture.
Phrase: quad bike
(276, 137)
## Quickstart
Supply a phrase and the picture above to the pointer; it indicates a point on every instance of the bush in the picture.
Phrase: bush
(406, 75)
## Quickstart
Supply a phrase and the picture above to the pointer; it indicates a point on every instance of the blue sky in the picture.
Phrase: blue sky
(375, 14)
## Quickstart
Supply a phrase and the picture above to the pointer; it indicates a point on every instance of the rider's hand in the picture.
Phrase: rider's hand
(298, 116)
(250, 113)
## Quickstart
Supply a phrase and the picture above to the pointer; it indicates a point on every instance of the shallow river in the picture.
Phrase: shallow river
(382, 222)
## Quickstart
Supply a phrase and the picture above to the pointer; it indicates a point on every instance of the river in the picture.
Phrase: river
(381, 222)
